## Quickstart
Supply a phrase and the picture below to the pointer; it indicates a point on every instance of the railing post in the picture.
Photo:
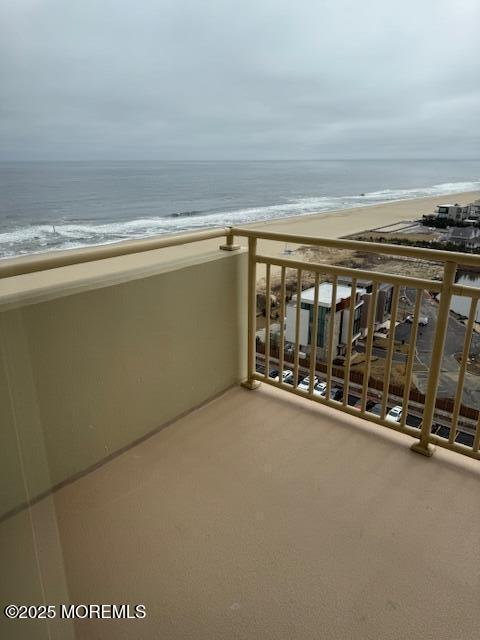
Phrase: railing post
(229, 245)
(423, 446)
(250, 383)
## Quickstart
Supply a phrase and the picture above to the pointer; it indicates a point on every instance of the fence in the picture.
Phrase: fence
(446, 288)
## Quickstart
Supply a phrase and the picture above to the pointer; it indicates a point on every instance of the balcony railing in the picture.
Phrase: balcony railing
(327, 370)
(428, 404)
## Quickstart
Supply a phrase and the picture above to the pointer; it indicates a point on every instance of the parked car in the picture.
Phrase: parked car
(336, 393)
(413, 421)
(376, 409)
(287, 376)
(368, 406)
(465, 438)
(352, 399)
(304, 385)
(395, 414)
(443, 432)
(273, 373)
(320, 389)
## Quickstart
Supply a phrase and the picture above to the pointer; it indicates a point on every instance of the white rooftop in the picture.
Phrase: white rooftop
(325, 294)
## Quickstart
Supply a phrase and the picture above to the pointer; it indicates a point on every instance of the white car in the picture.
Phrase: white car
(305, 384)
(395, 414)
(287, 376)
(320, 389)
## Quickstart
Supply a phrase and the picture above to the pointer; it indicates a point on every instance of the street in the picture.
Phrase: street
(453, 344)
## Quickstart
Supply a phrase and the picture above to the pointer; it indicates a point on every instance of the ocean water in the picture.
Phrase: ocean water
(49, 206)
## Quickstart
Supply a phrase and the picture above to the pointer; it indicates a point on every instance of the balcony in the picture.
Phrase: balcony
(137, 470)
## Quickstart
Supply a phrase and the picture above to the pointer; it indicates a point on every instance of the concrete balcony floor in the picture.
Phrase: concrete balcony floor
(264, 516)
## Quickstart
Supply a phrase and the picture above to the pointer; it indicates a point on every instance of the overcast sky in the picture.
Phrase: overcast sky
(239, 79)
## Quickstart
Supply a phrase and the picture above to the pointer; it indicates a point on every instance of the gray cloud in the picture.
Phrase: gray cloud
(222, 79)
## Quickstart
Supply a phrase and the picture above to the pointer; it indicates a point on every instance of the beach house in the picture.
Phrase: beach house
(339, 316)
(363, 301)
(466, 237)
(452, 212)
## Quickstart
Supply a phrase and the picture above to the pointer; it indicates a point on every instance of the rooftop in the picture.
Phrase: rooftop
(465, 233)
(286, 520)
(325, 294)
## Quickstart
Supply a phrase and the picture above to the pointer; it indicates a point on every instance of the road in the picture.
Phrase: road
(453, 344)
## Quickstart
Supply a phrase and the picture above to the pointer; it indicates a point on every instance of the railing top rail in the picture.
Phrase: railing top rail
(432, 255)
(52, 260)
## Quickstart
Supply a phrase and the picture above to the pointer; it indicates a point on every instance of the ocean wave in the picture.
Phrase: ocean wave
(67, 235)
(185, 214)
(444, 188)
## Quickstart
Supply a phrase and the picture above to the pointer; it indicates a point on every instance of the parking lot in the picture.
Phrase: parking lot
(353, 396)
(373, 406)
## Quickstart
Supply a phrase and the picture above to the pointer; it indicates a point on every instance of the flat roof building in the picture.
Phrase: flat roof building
(340, 318)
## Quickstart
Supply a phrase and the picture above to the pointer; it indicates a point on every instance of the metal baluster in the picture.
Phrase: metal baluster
(297, 328)
(346, 383)
(411, 357)
(267, 322)
(390, 349)
(314, 332)
(368, 350)
(281, 346)
(423, 446)
(331, 333)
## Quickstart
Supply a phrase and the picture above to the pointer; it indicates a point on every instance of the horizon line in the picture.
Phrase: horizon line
(255, 160)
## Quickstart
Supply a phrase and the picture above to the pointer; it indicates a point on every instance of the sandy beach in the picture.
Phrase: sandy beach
(337, 224)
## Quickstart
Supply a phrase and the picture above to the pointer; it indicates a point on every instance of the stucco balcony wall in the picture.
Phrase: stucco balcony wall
(91, 363)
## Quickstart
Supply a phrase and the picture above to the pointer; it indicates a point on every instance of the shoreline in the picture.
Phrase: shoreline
(391, 212)
(348, 222)
(332, 224)
(335, 223)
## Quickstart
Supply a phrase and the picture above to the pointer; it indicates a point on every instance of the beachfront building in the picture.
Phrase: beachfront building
(467, 237)
(452, 212)
(340, 318)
